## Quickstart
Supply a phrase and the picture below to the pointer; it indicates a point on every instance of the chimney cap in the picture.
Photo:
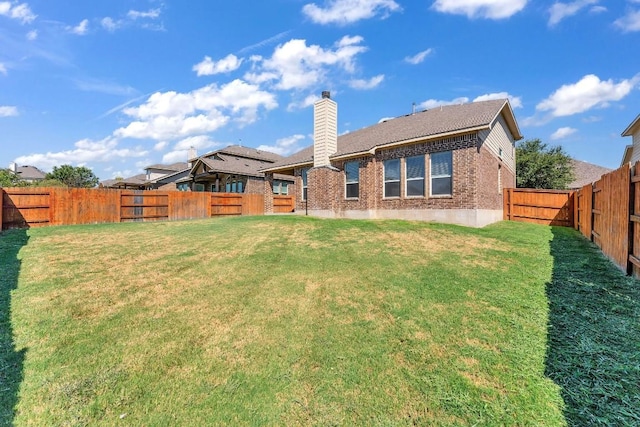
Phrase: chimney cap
(326, 94)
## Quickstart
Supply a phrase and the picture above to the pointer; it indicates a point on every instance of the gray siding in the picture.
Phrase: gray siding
(499, 137)
(635, 154)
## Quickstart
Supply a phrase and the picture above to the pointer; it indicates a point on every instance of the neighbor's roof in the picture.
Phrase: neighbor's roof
(30, 172)
(137, 180)
(175, 167)
(586, 173)
(438, 122)
(632, 127)
(232, 164)
(240, 151)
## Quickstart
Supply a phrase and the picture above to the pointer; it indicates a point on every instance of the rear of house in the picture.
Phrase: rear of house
(448, 164)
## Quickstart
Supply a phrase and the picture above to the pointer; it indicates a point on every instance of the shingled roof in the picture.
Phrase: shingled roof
(586, 173)
(438, 122)
(175, 167)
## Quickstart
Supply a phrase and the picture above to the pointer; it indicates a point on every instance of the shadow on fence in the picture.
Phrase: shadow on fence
(593, 351)
(11, 361)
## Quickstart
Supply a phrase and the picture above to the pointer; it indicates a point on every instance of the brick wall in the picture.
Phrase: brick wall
(488, 164)
(475, 180)
(254, 185)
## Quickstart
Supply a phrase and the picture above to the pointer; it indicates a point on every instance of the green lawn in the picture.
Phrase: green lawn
(295, 321)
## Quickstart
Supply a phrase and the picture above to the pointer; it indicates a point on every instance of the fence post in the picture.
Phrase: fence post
(119, 205)
(1, 206)
(632, 213)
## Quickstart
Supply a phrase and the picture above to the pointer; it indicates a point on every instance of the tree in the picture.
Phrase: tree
(540, 167)
(80, 176)
(10, 179)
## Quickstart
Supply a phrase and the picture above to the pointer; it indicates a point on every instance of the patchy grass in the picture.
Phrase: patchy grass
(594, 335)
(280, 321)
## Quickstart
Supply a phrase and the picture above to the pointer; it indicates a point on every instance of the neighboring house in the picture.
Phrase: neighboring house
(447, 164)
(586, 173)
(234, 169)
(632, 151)
(158, 176)
(27, 173)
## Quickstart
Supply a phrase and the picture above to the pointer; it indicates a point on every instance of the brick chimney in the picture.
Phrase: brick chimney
(325, 130)
(193, 153)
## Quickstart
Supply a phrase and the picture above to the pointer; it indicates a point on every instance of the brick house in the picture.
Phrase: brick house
(448, 164)
(235, 169)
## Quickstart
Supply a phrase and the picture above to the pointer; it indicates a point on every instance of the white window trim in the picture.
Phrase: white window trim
(352, 182)
(303, 186)
(384, 181)
(406, 181)
(431, 176)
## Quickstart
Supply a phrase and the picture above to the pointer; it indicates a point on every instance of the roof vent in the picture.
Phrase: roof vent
(326, 94)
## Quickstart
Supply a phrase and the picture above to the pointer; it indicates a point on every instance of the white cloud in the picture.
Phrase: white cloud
(306, 102)
(32, 35)
(364, 84)
(630, 22)
(100, 86)
(294, 65)
(516, 101)
(22, 12)
(161, 145)
(344, 12)
(198, 142)
(418, 57)
(587, 93)
(433, 103)
(284, 146)
(558, 11)
(490, 9)
(598, 9)
(563, 133)
(180, 151)
(173, 115)
(81, 29)
(3, 69)
(109, 24)
(8, 111)
(151, 14)
(85, 151)
(208, 67)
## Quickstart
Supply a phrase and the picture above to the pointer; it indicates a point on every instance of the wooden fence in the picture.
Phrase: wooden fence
(549, 207)
(32, 207)
(606, 212)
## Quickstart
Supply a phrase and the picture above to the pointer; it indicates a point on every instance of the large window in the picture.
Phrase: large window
(280, 187)
(234, 185)
(304, 183)
(441, 173)
(352, 175)
(392, 178)
(414, 171)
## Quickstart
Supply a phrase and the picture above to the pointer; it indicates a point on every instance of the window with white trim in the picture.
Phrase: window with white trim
(391, 178)
(414, 172)
(303, 173)
(280, 187)
(441, 173)
(352, 180)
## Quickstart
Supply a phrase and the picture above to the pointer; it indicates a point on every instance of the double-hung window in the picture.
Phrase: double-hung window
(441, 174)
(303, 173)
(392, 178)
(352, 178)
(280, 187)
(414, 172)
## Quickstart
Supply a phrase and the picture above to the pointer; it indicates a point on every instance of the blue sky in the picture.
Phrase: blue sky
(117, 85)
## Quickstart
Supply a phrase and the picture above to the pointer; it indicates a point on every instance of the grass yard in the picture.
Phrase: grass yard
(301, 321)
